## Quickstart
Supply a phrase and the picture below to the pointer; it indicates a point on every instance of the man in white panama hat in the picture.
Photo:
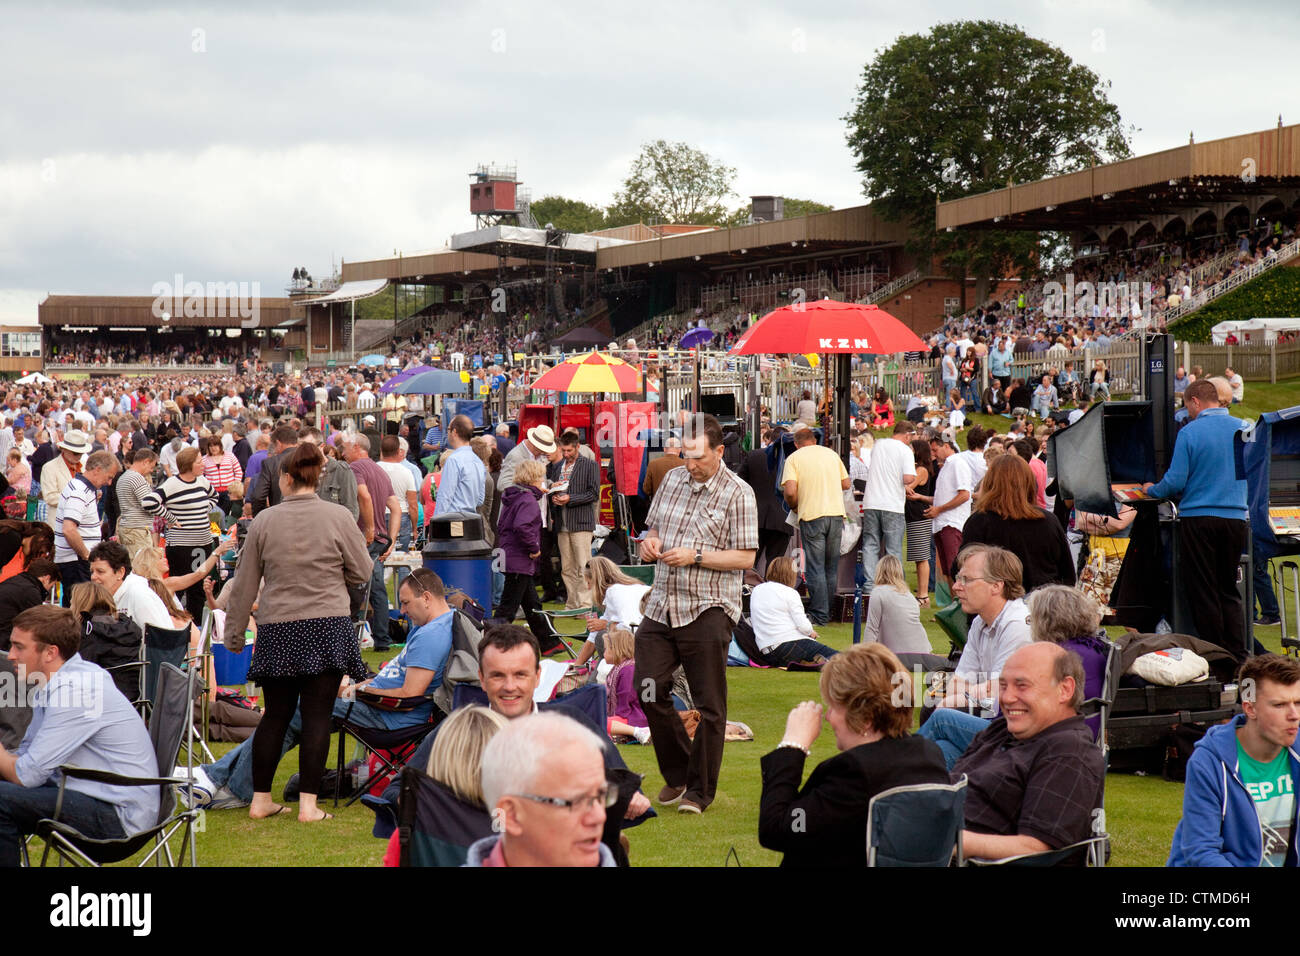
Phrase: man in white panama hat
(55, 476)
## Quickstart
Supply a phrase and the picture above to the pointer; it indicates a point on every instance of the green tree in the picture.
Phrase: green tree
(965, 109)
(794, 208)
(673, 182)
(571, 215)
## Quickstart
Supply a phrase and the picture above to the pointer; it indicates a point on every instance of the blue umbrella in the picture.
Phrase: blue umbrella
(437, 381)
(372, 359)
(696, 337)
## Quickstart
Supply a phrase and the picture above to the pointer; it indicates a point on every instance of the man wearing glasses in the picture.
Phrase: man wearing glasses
(544, 780)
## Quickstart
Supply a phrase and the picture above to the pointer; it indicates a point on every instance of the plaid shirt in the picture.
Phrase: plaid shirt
(719, 515)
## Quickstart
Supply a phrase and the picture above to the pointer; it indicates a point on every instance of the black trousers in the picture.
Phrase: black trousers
(314, 696)
(551, 582)
(184, 559)
(1209, 556)
(700, 647)
(772, 544)
(72, 573)
(519, 591)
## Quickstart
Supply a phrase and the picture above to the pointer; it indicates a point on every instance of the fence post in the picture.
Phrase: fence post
(1272, 364)
(1187, 355)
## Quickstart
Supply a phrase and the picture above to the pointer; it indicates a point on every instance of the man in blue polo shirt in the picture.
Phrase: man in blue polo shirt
(415, 672)
(1213, 520)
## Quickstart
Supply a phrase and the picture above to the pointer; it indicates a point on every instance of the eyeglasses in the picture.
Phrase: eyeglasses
(963, 580)
(604, 797)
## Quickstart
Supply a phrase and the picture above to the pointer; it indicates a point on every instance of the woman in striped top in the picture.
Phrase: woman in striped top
(221, 469)
(186, 500)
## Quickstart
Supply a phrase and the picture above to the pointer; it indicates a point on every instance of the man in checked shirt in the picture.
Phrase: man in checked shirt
(702, 534)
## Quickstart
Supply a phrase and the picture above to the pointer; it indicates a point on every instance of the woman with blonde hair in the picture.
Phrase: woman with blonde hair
(894, 615)
(456, 763)
(868, 705)
(782, 631)
(619, 597)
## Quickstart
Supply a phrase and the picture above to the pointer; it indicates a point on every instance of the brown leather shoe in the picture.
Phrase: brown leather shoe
(670, 795)
(690, 806)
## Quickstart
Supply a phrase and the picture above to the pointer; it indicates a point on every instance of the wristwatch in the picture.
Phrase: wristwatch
(699, 556)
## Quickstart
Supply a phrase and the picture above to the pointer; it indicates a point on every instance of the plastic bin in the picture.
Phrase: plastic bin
(231, 669)
(457, 552)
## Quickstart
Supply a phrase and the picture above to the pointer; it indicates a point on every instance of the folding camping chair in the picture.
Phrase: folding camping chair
(917, 825)
(390, 748)
(170, 724)
(162, 646)
(202, 663)
(436, 826)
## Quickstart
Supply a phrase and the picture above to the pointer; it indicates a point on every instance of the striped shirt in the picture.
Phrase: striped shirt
(719, 515)
(132, 488)
(221, 472)
(190, 503)
(78, 503)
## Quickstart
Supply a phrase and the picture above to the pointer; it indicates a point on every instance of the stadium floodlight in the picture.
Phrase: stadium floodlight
(1051, 209)
(997, 218)
(697, 258)
(166, 317)
(743, 251)
(1173, 182)
(652, 265)
(1105, 195)
(950, 229)
(794, 243)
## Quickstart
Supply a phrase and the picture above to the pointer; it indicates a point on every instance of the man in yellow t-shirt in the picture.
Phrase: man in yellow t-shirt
(814, 480)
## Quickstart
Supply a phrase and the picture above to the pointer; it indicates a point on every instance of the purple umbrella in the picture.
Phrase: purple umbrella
(402, 376)
(696, 337)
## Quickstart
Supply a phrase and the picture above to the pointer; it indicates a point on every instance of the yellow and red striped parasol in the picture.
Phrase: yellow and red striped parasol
(593, 372)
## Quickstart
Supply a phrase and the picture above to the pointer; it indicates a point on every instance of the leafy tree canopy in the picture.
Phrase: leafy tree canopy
(674, 182)
(964, 109)
(571, 215)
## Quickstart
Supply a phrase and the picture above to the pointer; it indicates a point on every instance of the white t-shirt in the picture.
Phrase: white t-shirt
(1238, 387)
(623, 604)
(400, 479)
(954, 476)
(976, 463)
(138, 601)
(891, 462)
(777, 615)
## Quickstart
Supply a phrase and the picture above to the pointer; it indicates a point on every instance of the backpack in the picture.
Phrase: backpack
(462, 602)
(462, 661)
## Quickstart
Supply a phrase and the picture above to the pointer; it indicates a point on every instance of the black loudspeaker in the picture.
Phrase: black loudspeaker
(1182, 618)
(1156, 358)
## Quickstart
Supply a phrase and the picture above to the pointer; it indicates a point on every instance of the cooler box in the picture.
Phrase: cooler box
(457, 552)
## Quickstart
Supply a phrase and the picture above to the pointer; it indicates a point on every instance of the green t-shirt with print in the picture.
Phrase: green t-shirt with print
(1271, 788)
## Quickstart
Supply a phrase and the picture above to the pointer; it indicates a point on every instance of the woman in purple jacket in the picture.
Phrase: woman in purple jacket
(625, 718)
(519, 537)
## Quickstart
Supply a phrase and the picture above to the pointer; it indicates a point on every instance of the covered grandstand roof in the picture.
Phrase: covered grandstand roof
(534, 243)
(1196, 176)
(137, 311)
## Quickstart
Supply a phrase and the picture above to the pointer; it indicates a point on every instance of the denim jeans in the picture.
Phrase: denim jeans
(22, 807)
(952, 730)
(878, 526)
(791, 652)
(498, 587)
(379, 598)
(948, 385)
(821, 551)
(234, 771)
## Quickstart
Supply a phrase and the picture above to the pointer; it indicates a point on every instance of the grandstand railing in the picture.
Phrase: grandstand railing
(897, 285)
(1234, 281)
(858, 283)
(134, 368)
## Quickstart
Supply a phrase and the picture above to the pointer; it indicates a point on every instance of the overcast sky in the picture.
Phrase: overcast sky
(233, 142)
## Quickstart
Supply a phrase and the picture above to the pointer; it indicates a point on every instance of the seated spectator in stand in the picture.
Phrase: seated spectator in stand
(882, 409)
(456, 761)
(1005, 515)
(1019, 397)
(78, 717)
(1034, 775)
(988, 585)
(510, 672)
(416, 671)
(781, 628)
(626, 719)
(544, 783)
(893, 614)
(18, 473)
(1045, 398)
(1240, 804)
(824, 822)
(618, 595)
(110, 567)
(1057, 615)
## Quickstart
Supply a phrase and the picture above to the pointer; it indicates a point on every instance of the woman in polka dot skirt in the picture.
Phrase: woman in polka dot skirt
(304, 554)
